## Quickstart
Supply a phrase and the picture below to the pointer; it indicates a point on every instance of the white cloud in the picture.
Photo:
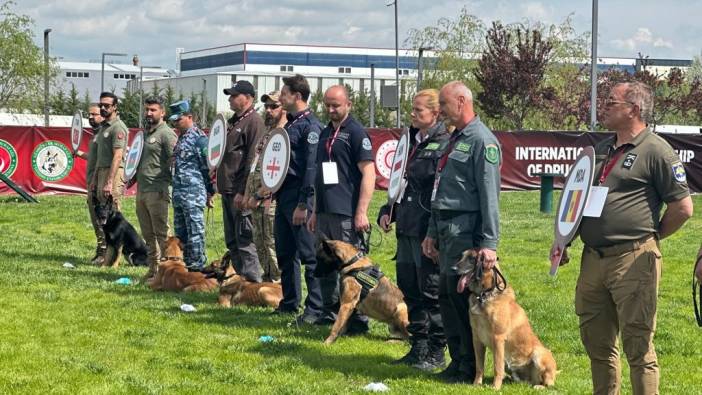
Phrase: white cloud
(641, 40)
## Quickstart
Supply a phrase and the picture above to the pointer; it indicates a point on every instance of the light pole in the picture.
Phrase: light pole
(593, 71)
(397, 64)
(141, 93)
(420, 66)
(46, 77)
(102, 70)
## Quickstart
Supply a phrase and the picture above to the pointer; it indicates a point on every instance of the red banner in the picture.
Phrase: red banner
(39, 159)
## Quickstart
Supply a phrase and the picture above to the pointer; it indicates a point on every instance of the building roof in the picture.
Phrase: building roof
(111, 67)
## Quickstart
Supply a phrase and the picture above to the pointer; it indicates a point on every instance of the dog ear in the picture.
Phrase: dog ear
(328, 246)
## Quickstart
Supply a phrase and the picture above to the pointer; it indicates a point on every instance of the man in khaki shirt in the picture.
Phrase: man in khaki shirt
(153, 178)
(620, 269)
(111, 143)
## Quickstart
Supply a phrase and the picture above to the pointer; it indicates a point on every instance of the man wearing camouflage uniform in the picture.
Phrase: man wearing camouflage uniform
(262, 204)
(192, 186)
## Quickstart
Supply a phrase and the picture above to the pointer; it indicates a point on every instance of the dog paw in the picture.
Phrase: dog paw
(539, 387)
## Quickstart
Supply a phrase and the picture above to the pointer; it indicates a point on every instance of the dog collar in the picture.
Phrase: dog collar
(171, 258)
(355, 258)
(496, 288)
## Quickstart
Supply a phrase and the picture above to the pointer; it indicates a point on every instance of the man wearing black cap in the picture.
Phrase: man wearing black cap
(244, 130)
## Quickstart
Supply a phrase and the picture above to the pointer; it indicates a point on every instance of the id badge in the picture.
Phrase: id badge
(595, 202)
(330, 174)
(436, 186)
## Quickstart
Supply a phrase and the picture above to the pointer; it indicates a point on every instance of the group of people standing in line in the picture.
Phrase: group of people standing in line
(450, 204)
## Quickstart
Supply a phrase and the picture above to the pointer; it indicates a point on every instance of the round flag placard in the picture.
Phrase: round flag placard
(384, 157)
(397, 170)
(573, 200)
(76, 130)
(216, 141)
(134, 156)
(275, 160)
(8, 158)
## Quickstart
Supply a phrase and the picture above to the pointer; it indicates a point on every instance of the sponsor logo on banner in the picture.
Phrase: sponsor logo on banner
(384, 156)
(52, 161)
(8, 158)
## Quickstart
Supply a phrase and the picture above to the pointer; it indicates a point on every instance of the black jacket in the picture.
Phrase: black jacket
(412, 213)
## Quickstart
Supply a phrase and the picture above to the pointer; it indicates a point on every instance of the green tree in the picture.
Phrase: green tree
(21, 62)
(129, 107)
(695, 70)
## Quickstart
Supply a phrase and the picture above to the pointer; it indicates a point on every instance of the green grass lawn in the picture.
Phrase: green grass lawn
(76, 331)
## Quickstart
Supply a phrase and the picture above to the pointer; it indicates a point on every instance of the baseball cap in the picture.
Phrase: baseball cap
(178, 109)
(239, 87)
(271, 97)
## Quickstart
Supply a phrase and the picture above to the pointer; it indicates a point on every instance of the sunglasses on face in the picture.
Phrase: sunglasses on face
(271, 106)
(91, 115)
(104, 105)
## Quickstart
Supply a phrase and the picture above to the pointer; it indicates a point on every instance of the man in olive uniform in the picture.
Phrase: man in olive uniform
(620, 267)
(111, 143)
(262, 204)
(465, 215)
(95, 120)
(153, 177)
(244, 130)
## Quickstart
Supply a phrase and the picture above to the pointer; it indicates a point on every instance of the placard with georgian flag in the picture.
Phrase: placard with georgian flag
(573, 200)
(76, 130)
(216, 142)
(275, 160)
(397, 172)
(134, 155)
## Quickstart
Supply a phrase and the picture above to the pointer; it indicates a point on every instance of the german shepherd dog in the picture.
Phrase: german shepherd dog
(235, 289)
(380, 300)
(120, 236)
(172, 275)
(500, 324)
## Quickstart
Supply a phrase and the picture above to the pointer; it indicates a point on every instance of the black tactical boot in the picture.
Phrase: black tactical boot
(434, 359)
(418, 351)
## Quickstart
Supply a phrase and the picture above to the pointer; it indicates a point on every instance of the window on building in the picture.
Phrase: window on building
(290, 68)
(116, 76)
(80, 75)
(348, 70)
(341, 69)
(86, 75)
(68, 74)
(345, 70)
(283, 68)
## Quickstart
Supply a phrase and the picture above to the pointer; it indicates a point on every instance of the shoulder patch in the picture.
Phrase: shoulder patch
(463, 147)
(492, 153)
(432, 146)
(313, 138)
(120, 136)
(367, 144)
(679, 172)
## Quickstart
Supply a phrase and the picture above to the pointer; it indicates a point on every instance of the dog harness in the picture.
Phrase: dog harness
(482, 297)
(368, 278)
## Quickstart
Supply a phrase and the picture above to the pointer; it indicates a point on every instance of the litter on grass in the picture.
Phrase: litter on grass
(68, 265)
(188, 308)
(123, 281)
(266, 339)
(376, 387)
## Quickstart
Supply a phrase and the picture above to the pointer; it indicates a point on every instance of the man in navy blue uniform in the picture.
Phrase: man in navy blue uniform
(343, 189)
(295, 204)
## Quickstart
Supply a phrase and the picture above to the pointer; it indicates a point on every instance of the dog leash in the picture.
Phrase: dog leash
(365, 238)
(209, 223)
(697, 300)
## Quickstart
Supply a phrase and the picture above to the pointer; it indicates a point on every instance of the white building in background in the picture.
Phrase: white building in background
(264, 65)
(86, 76)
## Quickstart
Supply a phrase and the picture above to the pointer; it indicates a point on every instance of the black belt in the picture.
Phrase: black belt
(445, 215)
(621, 248)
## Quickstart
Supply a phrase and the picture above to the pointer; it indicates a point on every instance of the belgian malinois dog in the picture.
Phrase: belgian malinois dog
(363, 287)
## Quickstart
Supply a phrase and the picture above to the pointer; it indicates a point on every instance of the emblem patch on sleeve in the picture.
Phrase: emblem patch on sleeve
(492, 153)
(679, 172)
(313, 138)
(367, 144)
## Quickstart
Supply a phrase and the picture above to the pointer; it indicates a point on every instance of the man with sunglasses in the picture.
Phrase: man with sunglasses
(262, 203)
(620, 267)
(244, 130)
(95, 120)
(111, 143)
(153, 177)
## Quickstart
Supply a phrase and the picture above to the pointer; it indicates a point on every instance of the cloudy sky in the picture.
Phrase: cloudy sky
(153, 29)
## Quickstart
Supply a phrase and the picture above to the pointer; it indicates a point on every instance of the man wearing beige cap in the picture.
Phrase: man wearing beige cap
(260, 201)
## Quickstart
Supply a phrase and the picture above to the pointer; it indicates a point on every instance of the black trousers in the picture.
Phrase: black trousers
(238, 236)
(418, 279)
(454, 312)
(295, 245)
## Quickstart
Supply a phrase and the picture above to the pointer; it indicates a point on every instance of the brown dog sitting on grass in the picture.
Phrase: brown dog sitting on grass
(363, 288)
(172, 275)
(234, 289)
(500, 324)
